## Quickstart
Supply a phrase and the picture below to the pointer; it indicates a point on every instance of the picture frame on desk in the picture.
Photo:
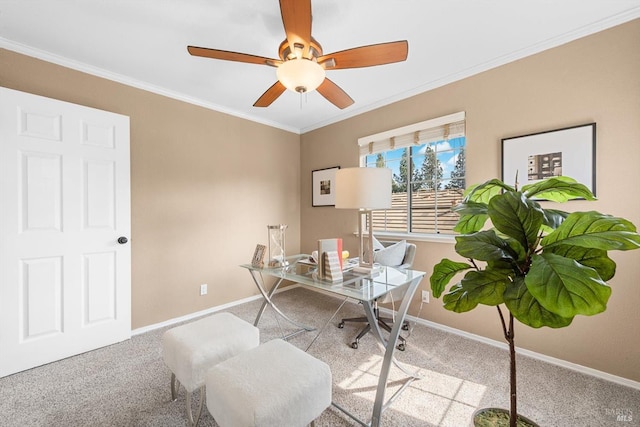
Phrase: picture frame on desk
(258, 256)
(323, 186)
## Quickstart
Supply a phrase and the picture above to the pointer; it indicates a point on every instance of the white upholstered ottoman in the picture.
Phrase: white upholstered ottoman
(273, 385)
(190, 350)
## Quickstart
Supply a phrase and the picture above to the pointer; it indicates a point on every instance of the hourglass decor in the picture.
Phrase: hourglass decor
(276, 245)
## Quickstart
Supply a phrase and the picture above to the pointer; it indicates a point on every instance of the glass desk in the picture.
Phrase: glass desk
(363, 288)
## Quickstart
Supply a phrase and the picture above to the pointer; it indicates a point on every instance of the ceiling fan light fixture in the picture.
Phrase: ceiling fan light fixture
(300, 75)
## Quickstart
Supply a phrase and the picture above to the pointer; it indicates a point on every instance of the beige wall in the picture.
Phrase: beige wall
(594, 79)
(204, 185)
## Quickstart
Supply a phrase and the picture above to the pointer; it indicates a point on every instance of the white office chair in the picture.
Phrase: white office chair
(393, 296)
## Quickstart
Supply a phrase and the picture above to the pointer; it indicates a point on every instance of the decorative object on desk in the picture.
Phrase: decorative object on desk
(327, 245)
(332, 266)
(545, 266)
(258, 256)
(323, 186)
(562, 152)
(307, 260)
(276, 245)
(364, 189)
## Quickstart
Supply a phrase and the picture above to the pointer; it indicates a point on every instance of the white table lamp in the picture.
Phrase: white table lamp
(364, 189)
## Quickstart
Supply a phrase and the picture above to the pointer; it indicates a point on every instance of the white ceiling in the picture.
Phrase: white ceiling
(143, 43)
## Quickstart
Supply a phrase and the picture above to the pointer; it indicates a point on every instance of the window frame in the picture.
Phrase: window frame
(385, 142)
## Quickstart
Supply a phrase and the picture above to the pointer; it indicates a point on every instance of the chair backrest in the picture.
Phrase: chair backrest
(407, 263)
(409, 254)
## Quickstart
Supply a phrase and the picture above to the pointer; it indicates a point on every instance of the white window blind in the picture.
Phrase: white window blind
(441, 128)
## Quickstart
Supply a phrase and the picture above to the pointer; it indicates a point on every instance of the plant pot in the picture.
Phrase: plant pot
(497, 417)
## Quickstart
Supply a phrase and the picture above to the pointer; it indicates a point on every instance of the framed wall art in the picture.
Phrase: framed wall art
(323, 186)
(561, 152)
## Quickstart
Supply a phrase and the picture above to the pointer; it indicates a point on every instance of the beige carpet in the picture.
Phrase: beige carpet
(127, 384)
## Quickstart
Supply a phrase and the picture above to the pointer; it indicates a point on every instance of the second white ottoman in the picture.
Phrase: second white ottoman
(190, 350)
(273, 385)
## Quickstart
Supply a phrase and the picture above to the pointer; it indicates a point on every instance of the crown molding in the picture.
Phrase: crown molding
(129, 81)
(567, 37)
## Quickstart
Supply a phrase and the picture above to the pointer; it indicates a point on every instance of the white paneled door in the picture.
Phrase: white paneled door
(65, 259)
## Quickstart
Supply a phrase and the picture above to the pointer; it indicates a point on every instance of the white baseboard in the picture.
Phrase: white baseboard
(523, 351)
(201, 313)
(195, 315)
(538, 356)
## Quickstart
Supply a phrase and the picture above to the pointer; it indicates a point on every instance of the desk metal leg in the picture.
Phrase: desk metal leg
(268, 301)
(390, 345)
(326, 324)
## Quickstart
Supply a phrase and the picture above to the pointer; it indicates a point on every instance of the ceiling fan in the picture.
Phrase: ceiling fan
(302, 64)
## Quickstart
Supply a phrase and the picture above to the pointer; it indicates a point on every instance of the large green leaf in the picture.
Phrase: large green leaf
(473, 216)
(503, 264)
(473, 208)
(516, 262)
(442, 274)
(591, 257)
(486, 286)
(528, 310)
(566, 287)
(486, 191)
(484, 246)
(517, 217)
(521, 253)
(594, 230)
(470, 223)
(458, 300)
(553, 218)
(558, 189)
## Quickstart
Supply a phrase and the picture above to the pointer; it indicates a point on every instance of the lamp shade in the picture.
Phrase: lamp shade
(363, 188)
(300, 75)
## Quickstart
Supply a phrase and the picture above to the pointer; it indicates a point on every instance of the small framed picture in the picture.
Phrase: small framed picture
(258, 256)
(323, 191)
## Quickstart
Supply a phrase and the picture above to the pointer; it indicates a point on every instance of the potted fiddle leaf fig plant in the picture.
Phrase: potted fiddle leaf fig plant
(540, 266)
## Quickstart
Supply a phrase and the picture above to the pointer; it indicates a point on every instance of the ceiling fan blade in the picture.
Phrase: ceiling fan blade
(232, 56)
(296, 18)
(334, 94)
(270, 95)
(367, 56)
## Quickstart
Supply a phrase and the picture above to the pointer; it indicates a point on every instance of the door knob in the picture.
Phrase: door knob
(122, 240)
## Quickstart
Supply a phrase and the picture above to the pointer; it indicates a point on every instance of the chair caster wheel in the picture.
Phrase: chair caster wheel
(340, 325)
(401, 347)
(405, 326)
(354, 345)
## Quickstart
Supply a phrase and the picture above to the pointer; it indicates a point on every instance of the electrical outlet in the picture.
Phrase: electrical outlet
(203, 289)
(425, 296)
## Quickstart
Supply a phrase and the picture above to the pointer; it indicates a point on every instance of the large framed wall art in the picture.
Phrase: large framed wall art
(560, 152)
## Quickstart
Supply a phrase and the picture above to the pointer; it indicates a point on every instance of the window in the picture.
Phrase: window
(427, 160)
